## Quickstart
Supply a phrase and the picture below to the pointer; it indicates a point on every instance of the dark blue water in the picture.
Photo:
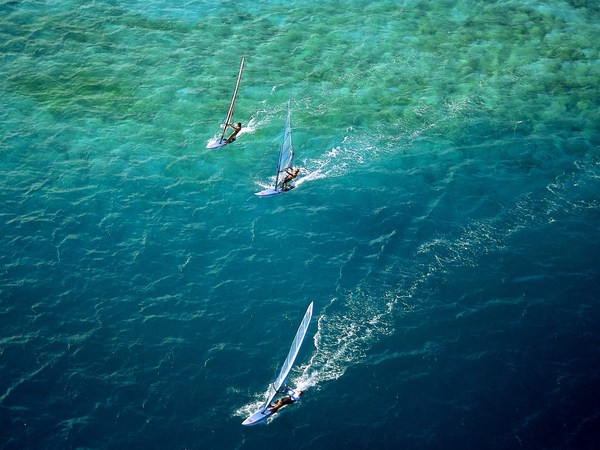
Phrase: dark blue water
(444, 223)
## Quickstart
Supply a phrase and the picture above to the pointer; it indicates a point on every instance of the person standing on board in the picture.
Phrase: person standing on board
(237, 127)
(291, 397)
(292, 172)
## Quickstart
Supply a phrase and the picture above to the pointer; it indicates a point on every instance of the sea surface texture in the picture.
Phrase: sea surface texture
(445, 223)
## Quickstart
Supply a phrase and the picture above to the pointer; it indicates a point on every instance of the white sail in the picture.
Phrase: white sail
(214, 142)
(291, 357)
(230, 112)
(286, 151)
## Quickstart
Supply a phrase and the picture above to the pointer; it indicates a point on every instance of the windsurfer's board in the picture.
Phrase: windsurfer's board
(270, 192)
(258, 417)
(216, 143)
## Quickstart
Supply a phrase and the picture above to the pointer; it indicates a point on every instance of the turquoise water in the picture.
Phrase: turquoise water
(444, 223)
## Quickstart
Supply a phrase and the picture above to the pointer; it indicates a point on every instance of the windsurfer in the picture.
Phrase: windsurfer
(237, 127)
(292, 172)
(291, 397)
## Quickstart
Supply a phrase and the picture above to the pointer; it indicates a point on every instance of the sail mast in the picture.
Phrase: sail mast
(230, 112)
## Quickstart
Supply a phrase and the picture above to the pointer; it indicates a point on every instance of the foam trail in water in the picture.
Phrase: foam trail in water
(347, 327)
(345, 330)
(251, 407)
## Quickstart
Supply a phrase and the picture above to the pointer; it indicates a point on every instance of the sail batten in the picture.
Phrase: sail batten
(291, 357)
